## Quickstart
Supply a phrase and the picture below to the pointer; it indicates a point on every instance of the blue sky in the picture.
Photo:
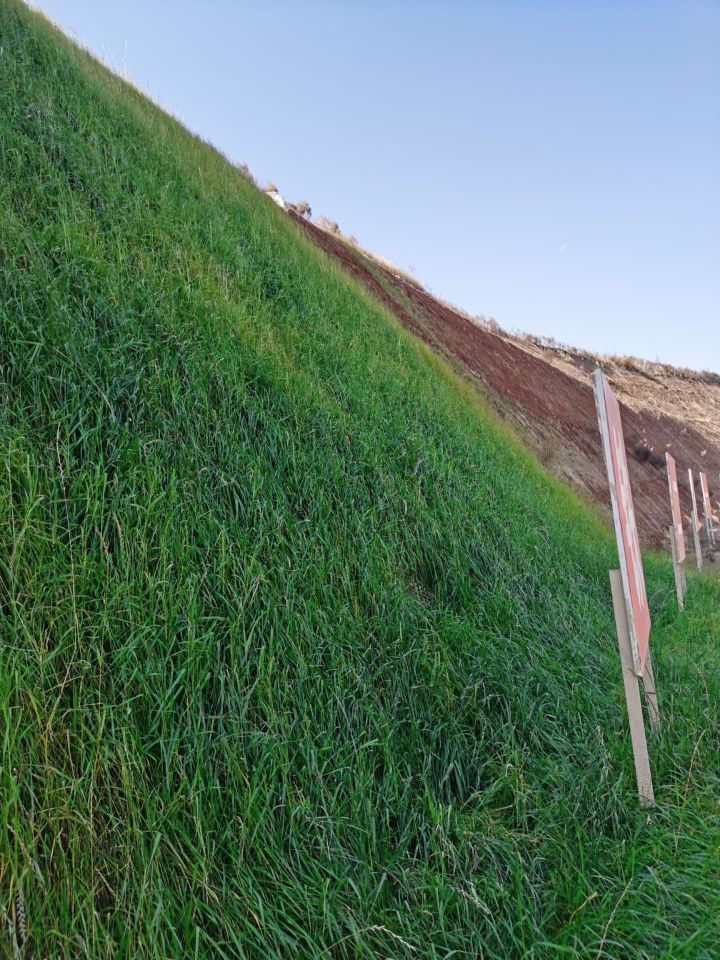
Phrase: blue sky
(554, 165)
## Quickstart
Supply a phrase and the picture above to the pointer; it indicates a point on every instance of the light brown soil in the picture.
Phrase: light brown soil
(546, 392)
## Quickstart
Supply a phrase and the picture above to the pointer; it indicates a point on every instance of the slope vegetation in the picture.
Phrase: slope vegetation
(301, 655)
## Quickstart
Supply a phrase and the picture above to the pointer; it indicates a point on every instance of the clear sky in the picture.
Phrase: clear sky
(553, 164)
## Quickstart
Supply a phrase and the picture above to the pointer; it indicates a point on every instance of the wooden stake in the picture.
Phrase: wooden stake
(677, 567)
(695, 521)
(696, 535)
(632, 695)
(651, 694)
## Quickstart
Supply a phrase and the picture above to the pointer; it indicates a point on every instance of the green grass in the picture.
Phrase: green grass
(301, 656)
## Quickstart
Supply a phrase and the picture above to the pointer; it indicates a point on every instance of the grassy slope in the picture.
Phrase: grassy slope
(300, 655)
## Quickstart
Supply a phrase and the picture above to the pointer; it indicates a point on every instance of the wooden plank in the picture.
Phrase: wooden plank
(632, 695)
(675, 508)
(626, 533)
(651, 695)
(677, 567)
(707, 511)
(695, 522)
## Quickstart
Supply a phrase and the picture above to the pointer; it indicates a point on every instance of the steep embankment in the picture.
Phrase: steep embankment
(301, 655)
(546, 394)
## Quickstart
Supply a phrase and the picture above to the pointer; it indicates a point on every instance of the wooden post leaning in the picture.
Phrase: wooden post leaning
(695, 522)
(641, 757)
(680, 584)
(651, 700)
(698, 548)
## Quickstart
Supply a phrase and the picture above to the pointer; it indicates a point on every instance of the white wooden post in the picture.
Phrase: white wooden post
(632, 695)
(707, 511)
(677, 567)
(651, 694)
(696, 536)
(695, 522)
(708, 529)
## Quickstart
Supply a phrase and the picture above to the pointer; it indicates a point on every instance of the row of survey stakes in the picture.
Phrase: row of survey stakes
(632, 616)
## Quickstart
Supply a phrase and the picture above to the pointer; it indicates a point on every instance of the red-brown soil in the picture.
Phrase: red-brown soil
(549, 397)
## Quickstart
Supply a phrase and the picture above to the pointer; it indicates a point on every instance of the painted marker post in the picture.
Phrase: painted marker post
(707, 510)
(695, 522)
(643, 774)
(632, 616)
(677, 537)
